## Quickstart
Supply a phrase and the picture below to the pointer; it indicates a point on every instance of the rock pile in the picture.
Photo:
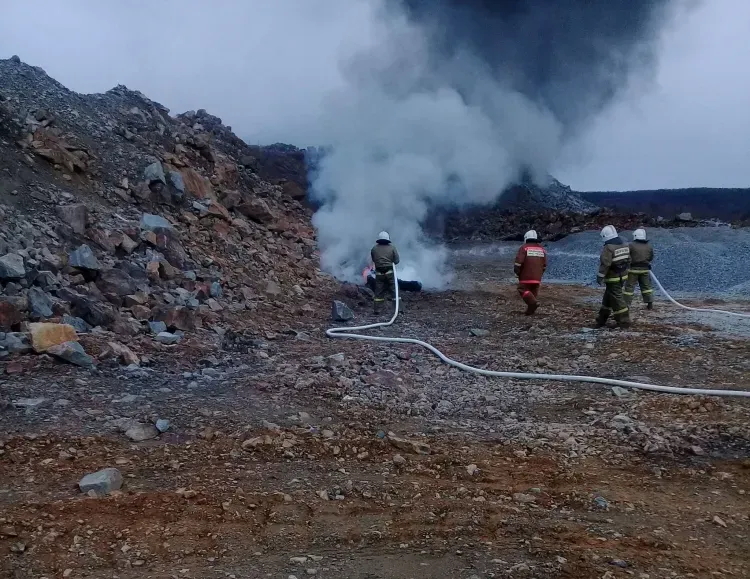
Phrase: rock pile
(116, 217)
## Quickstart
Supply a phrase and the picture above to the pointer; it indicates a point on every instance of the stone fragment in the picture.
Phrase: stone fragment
(101, 482)
(12, 267)
(73, 353)
(340, 312)
(84, 258)
(44, 335)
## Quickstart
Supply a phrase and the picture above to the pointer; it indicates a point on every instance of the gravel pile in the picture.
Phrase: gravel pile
(690, 262)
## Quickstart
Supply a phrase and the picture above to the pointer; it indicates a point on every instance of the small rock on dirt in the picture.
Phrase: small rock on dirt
(168, 338)
(29, 402)
(139, 432)
(340, 312)
(73, 353)
(102, 482)
(407, 445)
(479, 333)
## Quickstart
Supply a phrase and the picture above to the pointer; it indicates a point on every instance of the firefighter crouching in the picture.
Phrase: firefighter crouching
(529, 267)
(641, 256)
(614, 262)
(384, 256)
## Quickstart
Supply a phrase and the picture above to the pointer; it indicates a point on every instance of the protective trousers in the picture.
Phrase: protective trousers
(614, 303)
(639, 277)
(383, 289)
(529, 293)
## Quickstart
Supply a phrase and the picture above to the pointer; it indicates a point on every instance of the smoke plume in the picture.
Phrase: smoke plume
(455, 99)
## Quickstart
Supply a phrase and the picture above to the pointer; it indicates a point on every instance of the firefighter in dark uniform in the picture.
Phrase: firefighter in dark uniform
(614, 262)
(384, 256)
(641, 256)
(529, 267)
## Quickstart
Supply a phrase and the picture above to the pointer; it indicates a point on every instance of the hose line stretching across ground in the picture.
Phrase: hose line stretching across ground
(348, 332)
(678, 304)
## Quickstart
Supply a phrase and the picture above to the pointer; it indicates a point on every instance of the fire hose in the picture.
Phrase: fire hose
(678, 304)
(347, 332)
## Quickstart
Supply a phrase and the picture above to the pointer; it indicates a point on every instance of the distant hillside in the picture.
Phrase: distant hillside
(702, 202)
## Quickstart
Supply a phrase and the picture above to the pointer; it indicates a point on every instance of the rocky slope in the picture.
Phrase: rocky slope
(116, 215)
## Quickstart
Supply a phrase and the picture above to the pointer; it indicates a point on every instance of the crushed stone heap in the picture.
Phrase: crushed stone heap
(117, 216)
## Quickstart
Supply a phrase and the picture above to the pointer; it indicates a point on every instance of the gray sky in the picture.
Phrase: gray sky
(265, 67)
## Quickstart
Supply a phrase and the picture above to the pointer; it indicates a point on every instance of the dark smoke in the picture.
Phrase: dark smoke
(454, 101)
(569, 56)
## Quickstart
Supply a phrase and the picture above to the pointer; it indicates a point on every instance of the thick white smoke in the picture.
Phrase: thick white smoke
(403, 138)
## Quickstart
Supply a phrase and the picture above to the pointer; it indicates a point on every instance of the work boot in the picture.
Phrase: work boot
(531, 309)
(650, 306)
(623, 322)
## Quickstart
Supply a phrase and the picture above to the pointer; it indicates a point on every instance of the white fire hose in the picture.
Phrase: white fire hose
(678, 304)
(347, 332)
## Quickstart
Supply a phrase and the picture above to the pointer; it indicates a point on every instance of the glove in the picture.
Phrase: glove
(599, 280)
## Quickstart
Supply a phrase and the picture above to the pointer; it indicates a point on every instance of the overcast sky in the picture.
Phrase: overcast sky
(265, 65)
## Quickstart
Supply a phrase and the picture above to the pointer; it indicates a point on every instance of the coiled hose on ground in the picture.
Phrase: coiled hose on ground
(348, 332)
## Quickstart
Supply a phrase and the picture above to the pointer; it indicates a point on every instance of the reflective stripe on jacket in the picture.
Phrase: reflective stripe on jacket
(614, 261)
(531, 262)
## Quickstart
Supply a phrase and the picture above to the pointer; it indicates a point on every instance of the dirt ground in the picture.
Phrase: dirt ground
(303, 456)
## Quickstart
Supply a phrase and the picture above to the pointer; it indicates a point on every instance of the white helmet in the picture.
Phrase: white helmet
(530, 234)
(639, 235)
(383, 236)
(608, 232)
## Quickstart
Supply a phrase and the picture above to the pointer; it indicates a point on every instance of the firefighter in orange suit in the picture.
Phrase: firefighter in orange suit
(529, 267)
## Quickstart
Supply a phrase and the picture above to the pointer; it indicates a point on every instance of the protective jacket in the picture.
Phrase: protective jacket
(641, 256)
(531, 262)
(614, 261)
(384, 256)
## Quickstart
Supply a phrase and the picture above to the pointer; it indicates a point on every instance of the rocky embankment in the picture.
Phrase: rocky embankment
(121, 222)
